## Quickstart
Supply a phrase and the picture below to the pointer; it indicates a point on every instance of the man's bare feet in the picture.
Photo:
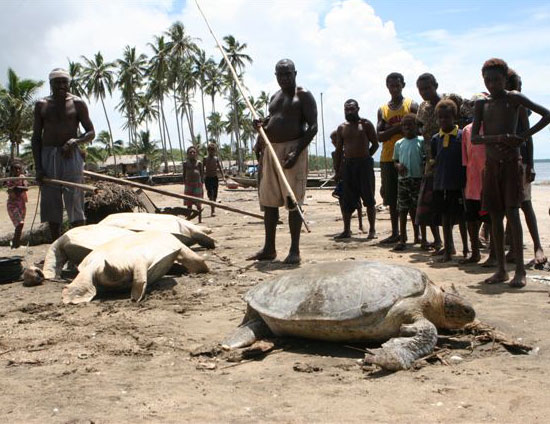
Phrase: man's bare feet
(394, 238)
(465, 253)
(490, 262)
(447, 257)
(474, 259)
(293, 258)
(399, 247)
(343, 235)
(497, 277)
(262, 255)
(519, 280)
(540, 258)
(372, 235)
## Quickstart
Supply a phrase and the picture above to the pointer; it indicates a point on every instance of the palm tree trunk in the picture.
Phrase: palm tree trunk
(110, 134)
(204, 117)
(162, 142)
(168, 135)
(177, 120)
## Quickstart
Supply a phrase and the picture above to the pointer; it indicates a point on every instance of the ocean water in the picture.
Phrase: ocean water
(543, 172)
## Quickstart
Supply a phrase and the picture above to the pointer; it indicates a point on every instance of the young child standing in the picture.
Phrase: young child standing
(449, 174)
(211, 182)
(193, 177)
(503, 180)
(408, 156)
(17, 199)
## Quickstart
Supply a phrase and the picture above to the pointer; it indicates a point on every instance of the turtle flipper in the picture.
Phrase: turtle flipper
(139, 282)
(251, 329)
(400, 353)
(81, 290)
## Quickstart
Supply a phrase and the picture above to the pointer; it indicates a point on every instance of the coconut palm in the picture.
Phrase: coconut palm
(215, 126)
(16, 109)
(99, 79)
(263, 103)
(214, 84)
(76, 86)
(235, 53)
(114, 148)
(201, 70)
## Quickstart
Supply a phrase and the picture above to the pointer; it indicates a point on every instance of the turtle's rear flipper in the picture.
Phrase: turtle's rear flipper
(246, 334)
(400, 353)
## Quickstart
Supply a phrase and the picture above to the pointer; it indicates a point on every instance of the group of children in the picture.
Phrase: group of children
(448, 161)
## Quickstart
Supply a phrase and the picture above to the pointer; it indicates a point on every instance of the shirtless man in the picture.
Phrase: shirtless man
(55, 146)
(290, 127)
(356, 170)
(211, 167)
(503, 182)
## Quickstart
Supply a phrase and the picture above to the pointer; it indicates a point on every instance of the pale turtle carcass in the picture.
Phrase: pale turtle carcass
(76, 244)
(355, 302)
(186, 231)
(134, 260)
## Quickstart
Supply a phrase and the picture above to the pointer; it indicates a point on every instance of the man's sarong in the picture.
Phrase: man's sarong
(52, 196)
(272, 191)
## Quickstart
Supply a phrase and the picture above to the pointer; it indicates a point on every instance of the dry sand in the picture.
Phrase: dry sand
(113, 361)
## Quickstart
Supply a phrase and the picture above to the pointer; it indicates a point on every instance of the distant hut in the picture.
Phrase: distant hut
(127, 164)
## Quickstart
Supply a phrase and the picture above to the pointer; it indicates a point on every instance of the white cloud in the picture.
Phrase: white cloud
(341, 48)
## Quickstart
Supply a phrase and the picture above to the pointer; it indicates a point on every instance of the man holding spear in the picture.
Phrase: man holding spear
(56, 151)
(290, 126)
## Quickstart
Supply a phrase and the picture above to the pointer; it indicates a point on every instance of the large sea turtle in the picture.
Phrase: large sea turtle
(184, 230)
(75, 244)
(134, 260)
(355, 302)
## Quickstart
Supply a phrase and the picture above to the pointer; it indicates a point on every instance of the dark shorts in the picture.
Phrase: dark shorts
(502, 185)
(357, 176)
(448, 202)
(407, 193)
(211, 184)
(389, 183)
(425, 212)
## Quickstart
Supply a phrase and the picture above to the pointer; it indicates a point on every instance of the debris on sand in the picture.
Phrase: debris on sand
(302, 367)
(110, 198)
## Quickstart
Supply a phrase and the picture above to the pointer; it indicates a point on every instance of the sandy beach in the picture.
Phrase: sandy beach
(114, 361)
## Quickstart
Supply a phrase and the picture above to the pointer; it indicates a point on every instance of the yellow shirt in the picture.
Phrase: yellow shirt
(392, 116)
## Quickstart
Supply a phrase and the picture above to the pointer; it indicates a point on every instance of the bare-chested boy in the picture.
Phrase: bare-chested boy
(55, 147)
(503, 182)
(211, 167)
(389, 132)
(356, 143)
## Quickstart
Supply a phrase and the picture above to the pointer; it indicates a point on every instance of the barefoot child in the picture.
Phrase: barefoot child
(17, 199)
(408, 156)
(193, 176)
(356, 142)
(389, 132)
(503, 181)
(449, 174)
(212, 165)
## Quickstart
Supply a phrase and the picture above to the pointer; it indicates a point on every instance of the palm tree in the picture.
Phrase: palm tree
(98, 77)
(112, 147)
(130, 80)
(215, 126)
(201, 71)
(235, 53)
(263, 102)
(16, 109)
(76, 86)
(214, 84)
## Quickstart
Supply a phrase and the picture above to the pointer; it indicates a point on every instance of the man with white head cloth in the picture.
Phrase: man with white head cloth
(55, 145)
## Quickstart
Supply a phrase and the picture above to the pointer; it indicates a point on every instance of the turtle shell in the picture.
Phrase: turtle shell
(336, 291)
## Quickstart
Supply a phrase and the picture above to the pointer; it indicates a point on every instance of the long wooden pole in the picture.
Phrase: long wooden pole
(169, 193)
(245, 95)
(84, 187)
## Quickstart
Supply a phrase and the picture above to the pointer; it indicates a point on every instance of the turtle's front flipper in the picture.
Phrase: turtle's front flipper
(400, 353)
(139, 281)
(252, 328)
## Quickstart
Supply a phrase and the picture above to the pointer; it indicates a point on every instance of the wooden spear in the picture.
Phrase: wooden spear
(171, 194)
(278, 167)
(45, 180)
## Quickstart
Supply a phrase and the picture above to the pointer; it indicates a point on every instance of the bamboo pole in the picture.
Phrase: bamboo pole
(169, 193)
(45, 180)
(278, 167)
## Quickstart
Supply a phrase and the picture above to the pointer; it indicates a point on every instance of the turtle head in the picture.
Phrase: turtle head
(457, 311)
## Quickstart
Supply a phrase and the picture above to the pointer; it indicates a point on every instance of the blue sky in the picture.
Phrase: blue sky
(341, 48)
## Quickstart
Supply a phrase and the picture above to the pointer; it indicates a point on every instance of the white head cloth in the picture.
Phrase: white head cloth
(59, 73)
